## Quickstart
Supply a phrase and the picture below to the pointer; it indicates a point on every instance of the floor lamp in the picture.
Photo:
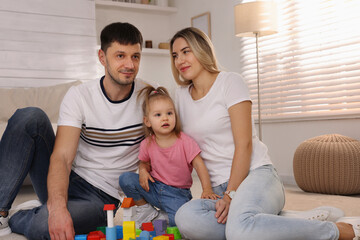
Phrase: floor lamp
(256, 19)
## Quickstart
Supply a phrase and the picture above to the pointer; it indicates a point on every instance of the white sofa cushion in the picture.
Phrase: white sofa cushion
(47, 98)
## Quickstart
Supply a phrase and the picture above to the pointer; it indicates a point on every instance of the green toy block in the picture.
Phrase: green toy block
(103, 229)
(175, 231)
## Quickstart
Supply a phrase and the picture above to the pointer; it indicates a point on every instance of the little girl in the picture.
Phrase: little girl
(167, 157)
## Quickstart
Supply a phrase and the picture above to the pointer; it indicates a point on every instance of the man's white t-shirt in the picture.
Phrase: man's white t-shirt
(207, 120)
(110, 133)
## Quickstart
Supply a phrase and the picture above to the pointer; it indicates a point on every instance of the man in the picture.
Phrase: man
(99, 130)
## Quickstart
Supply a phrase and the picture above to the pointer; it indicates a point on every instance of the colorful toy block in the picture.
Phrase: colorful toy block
(80, 237)
(119, 232)
(160, 226)
(96, 235)
(147, 227)
(103, 229)
(110, 229)
(171, 236)
(145, 235)
(161, 238)
(128, 209)
(129, 230)
(175, 231)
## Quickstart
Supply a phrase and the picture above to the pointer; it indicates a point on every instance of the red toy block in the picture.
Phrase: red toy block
(96, 235)
(147, 227)
(127, 203)
(109, 207)
(171, 236)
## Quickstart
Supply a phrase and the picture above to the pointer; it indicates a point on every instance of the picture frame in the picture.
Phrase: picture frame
(202, 22)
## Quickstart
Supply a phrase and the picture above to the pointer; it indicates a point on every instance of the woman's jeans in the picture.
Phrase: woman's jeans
(253, 214)
(160, 195)
(25, 147)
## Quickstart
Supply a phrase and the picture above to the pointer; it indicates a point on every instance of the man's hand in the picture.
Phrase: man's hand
(222, 209)
(61, 226)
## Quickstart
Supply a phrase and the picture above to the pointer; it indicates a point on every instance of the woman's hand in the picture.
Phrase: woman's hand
(222, 209)
(144, 178)
(209, 194)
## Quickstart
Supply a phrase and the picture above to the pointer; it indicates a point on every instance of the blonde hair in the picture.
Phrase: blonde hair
(202, 47)
(150, 94)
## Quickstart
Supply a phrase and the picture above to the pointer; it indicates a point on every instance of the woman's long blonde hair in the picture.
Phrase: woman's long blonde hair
(149, 94)
(202, 47)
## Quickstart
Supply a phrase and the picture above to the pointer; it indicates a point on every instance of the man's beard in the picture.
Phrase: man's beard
(121, 82)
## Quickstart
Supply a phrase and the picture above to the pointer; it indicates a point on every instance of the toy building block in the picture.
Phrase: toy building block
(160, 226)
(103, 229)
(128, 209)
(96, 235)
(119, 232)
(80, 237)
(161, 238)
(145, 235)
(175, 231)
(127, 203)
(137, 232)
(129, 230)
(110, 229)
(171, 236)
(148, 226)
(152, 234)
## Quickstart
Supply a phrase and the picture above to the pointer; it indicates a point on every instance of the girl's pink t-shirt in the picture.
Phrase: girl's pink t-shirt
(171, 165)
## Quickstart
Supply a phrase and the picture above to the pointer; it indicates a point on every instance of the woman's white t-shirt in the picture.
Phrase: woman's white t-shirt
(207, 120)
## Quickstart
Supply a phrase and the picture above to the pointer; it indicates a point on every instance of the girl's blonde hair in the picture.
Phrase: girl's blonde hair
(150, 94)
(202, 47)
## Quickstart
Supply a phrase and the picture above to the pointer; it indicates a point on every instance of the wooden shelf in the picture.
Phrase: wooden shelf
(155, 52)
(150, 51)
(137, 7)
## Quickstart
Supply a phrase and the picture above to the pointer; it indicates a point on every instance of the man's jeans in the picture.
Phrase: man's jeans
(160, 195)
(25, 147)
(252, 215)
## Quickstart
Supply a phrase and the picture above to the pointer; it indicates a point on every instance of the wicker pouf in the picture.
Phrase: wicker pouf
(328, 164)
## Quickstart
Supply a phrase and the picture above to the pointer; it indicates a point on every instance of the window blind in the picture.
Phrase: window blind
(311, 67)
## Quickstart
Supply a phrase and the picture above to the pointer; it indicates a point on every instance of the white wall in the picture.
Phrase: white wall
(46, 42)
(282, 138)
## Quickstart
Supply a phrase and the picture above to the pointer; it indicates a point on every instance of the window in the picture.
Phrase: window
(310, 69)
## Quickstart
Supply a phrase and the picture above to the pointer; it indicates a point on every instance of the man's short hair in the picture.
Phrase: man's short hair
(123, 33)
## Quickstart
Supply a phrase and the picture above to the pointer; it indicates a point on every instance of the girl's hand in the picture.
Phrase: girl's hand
(144, 178)
(222, 209)
(209, 194)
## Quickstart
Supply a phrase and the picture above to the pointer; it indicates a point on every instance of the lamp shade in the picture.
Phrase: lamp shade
(255, 17)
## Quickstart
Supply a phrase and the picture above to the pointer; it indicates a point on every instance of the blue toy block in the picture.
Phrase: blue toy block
(119, 232)
(111, 233)
(152, 233)
(80, 237)
(145, 235)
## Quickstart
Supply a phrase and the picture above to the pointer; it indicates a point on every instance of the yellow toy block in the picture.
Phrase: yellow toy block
(161, 238)
(129, 230)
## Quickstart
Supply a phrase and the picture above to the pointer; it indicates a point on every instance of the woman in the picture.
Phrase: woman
(215, 109)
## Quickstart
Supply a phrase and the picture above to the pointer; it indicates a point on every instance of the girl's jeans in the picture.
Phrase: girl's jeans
(25, 147)
(253, 214)
(160, 195)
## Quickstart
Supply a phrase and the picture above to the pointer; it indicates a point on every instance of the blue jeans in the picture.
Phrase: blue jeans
(25, 148)
(253, 214)
(160, 195)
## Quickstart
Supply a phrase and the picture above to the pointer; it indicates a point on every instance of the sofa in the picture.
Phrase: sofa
(47, 98)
